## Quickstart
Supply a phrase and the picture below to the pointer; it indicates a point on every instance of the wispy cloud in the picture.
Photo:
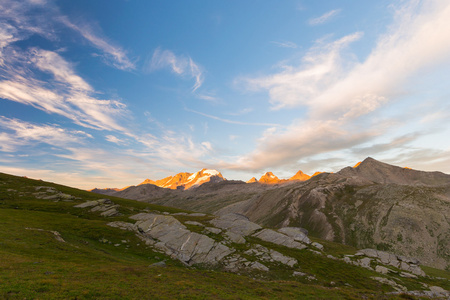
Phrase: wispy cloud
(19, 133)
(232, 121)
(180, 65)
(67, 94)
(21, 19)
(114, 54)
(341, 96)
(114, 139)
(324, 18)
(285, 44)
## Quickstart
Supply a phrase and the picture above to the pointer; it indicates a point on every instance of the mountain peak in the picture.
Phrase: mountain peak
(300, 176)
(252, 180)
(269, 177)
(187, 180)
(380, 172)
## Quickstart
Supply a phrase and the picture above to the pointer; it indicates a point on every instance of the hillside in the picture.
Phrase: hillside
(373, 204)
(60, 242)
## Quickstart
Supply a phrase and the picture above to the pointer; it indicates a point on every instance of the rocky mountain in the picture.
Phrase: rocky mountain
(300, 176)
(187, 180)
(252, 180)
(372, 205)
(269, 178)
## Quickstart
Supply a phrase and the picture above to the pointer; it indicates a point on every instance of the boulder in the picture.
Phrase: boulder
(296, 233)
(234, 237)
(123, 225)
(235, 223)
(213, 230)
(272, 236)
(381, 269)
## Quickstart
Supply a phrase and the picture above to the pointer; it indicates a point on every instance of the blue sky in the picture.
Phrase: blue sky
(108, 93)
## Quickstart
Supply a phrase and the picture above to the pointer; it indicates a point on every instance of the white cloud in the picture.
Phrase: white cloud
(44, 18)
(113, 53)
(230, 121)
(25, 133)
(337, 91)
(66, 94)
(180, 65)
(324, 18)
(286, 44)
(114, 139)
(300, 85)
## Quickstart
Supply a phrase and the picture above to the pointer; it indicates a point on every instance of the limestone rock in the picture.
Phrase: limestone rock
(194, 223)
(381, 269)
(175, 240)
(258, 266)
(272, 236)
(296, 233)
(235, 223)
(213, 230)
(123, 225)
(234, 237)
(317, 245)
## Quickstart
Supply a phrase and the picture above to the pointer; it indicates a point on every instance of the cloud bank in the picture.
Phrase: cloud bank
(342, 95)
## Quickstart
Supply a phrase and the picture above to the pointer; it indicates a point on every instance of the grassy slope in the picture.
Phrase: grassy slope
(33, 264)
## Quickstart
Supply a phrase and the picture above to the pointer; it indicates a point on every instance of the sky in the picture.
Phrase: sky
(107, 93)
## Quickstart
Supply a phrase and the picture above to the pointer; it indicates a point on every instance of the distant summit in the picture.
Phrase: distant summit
(383, 173)
(300, 176)
(268, 177)
(187, 180)
(252, 180)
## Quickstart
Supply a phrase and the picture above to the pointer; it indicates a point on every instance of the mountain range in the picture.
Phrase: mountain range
(185, 180)
(372, 204)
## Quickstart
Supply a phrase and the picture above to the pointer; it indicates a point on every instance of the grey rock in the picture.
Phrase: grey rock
(110, 212)
(258, 266)
(407, 275)
(176, 241)
(197, 215)
(160, 264)
(213, 230)
(271, 255)
(365, 262)
(88, 204)
(368, 252)
(123, 225)
(317, 245)
(235, 223)
(381, 269)
(296, 273)
(272, 236)
(234, 237)
(439, 292)
(194, 223)
(296, 233)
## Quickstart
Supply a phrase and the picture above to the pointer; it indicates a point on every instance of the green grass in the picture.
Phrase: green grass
(94, 262)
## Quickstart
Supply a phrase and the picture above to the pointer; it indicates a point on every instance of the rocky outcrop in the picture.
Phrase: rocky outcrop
(298, 234)
(398, 261)
(236, 223)
(272, 236)
(169, 235)
(105, 206)
(270, 255)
